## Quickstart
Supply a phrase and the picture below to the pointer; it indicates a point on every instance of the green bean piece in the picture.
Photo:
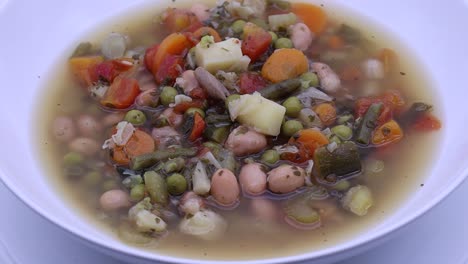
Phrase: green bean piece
(193, 110)
(368, 123)
(311, 79)
(168, 94)
(156, 187)
(213, 147)
(231, 98)
(218, 120)
(108, 185)
(92, 178)
(283, 43)
(176, 184)
(149, 159)
(260, 22)
(173, 165)
(341, 163)
(270, 156)
(84, 48)
(73, 158)
(281, 89)
(137, 192)
(291, 127)
(135, 117)
(293, 106)
(238, 26)
(274, 36)
(343, 132)
(216, 134)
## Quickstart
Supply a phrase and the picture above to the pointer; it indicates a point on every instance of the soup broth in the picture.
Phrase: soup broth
(256, 225)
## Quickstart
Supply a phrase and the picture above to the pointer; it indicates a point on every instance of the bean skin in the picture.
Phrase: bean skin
(224, 187)
(88, 125)
(84, 145)
(243, 141)
(286, 178)
(114, 199)
(253, 179)
(64, 128)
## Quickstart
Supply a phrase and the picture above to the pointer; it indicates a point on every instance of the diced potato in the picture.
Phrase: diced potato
(146, 221)
(258, 113)
(358, 200)
(225, 55)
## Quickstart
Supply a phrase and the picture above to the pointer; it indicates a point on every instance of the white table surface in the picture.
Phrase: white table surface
(440, 236)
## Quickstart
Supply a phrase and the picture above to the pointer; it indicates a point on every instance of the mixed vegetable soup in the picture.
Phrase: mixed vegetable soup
(239, 129)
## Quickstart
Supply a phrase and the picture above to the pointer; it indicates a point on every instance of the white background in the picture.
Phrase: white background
(440, 236)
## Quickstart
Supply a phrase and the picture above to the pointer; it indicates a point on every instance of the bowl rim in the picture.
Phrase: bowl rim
(152, 256)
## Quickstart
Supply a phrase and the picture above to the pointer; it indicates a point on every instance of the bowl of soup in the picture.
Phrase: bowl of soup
(246, 131)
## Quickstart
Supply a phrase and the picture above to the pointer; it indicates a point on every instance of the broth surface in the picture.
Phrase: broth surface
(247, 237)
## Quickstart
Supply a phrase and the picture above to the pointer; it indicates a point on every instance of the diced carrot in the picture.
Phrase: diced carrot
(83, 69)
(351, 73)
(174, 44)
(307, 141)
(387, 133)
(150, 55)
(207, 31)
(285, 64)
(336, 42)
(182, 107)
(326, 112)
(140, 143)
(199, 126)
(427, 122)
(389, 59)
(313, 16)
(122, 93)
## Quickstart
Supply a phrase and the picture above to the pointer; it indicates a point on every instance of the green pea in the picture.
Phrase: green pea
(342, 185)
(136, 117)
(342, 131)
(168, 94)
(92, 178)
(293, 106)
(291, 127)
(260, 22)
(193, 110)
(109, 185)
(274, 37)
(176, 184)
(312, 78)
(270, 156)
(283, 43)
(231, 98)
(73, 158)
(238, 26)
(137, 192)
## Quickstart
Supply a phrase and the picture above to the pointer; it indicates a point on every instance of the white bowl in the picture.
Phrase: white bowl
(35, 34)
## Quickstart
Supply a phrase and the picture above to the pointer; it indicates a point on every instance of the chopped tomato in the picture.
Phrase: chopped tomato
(182, 107)
(198, 127)
(250, 82)
(301, 156)
(198, 93)
(255, 41)
(178, 20)
(149, 56)
(83, 68)
(392, 103)
(427, 122)
(169, 69)
(122, 93)
(108, 70)
(307, 141)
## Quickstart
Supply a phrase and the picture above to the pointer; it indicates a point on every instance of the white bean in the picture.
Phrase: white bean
(329, 80)
(201, 11)
(264, 210)
(286, 178)
(84, 145)
(252, 178)
(112, 119)
(190, 203)
(224, 187)
(114, 200)
(88, 125)
(301, 36)
(63, 128)
(243, 141)
(174, 119)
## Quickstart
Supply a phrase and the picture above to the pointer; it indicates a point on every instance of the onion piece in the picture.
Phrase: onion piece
(204, 224)
(312, 94)
(114, 45)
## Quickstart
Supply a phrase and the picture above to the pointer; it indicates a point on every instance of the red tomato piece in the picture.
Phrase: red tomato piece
(182, 107)
(122, 93)
(108, 70)
(255, 41)
(392, 100)
(169, 69)
(178, 20)
(198, 127)
(250, 82)
(149, 56)
(198, 93)
(427, 122)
